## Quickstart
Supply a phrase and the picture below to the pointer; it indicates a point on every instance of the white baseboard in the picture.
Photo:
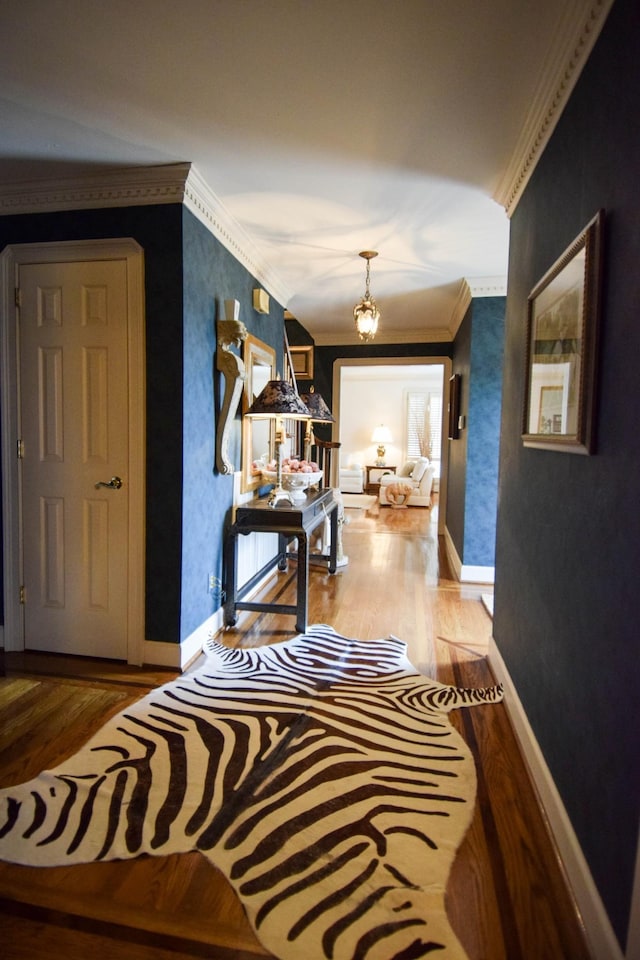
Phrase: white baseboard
(602, 940)
(179, 655)
(466, 573)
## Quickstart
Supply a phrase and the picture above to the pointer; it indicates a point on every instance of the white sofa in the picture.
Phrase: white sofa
(416, 473)
(352, 479)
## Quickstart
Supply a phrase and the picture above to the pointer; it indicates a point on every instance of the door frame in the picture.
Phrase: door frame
(11, 259)
(408, 361)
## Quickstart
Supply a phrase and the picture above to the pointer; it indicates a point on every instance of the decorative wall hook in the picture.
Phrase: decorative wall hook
(229, 332)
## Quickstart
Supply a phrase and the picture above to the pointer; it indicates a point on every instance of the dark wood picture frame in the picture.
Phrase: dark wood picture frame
(563, 318)
(455, 384)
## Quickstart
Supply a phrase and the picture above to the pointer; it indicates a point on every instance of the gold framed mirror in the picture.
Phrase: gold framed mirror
(257, 435)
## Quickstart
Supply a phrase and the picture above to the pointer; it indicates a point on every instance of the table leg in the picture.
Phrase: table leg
(333, 552)
(303, 582)
(230, 564)
(282, 552)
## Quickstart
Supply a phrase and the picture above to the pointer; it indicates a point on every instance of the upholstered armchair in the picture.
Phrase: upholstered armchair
(417, 474)
(352, 479)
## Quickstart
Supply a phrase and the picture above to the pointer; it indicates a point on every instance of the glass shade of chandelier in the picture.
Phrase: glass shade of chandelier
(365, 313)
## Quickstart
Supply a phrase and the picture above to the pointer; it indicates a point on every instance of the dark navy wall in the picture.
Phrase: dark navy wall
(568, 544)
(158, 230)
(211, 275)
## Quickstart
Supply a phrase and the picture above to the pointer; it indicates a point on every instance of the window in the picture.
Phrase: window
(424, 427)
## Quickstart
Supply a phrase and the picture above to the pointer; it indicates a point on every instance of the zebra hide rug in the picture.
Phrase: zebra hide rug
(321, 775)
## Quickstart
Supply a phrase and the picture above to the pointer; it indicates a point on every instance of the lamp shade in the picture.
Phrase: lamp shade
(278, 399)
(318, 408)
(381, 434)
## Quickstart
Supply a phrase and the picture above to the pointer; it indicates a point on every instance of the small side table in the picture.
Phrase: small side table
(288, 522)
(374, 472)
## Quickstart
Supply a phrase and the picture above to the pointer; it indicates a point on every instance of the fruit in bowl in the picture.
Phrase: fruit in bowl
(297, 475)
(293, 465)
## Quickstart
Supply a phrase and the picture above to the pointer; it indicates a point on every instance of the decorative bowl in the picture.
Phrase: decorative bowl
(297, 483)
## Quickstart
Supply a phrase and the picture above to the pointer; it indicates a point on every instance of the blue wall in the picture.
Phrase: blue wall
(211, 275)
(483, 430)
(568, 543)
(473, 458)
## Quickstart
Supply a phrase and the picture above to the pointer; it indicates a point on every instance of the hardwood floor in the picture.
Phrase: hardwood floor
(507, 896)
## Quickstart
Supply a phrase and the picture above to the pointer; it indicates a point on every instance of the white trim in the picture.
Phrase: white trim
(487, 286)
(470, 289)
(601, 938)
(210, 210)
(466, 573)
(179, 655)
(574, 39)
(393, 335)
(122, 187)
(143, 186)
(11, 259)
(460, 307)
(476, 574)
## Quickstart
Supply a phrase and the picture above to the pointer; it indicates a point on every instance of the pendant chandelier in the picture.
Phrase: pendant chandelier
(365, 312)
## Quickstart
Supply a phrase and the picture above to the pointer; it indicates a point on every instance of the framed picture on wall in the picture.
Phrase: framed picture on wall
(302, 360)
(562, 348)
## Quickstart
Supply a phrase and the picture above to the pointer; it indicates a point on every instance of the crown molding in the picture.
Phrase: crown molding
(418, 335)
(117, 187)
(487, 286)
(460, 307)
(144, 186)
(209, 209)
(577, 33)
(470, 289)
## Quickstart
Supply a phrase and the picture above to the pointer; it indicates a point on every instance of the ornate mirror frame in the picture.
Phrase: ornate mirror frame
(257, 435)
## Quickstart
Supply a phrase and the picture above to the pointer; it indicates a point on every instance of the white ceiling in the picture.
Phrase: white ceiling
(324, 127)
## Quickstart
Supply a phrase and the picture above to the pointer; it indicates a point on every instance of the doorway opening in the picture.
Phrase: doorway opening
(406, 395)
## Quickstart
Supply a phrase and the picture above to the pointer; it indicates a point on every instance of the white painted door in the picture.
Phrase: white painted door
(73, 391)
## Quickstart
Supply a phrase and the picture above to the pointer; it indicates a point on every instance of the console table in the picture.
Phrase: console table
(288, 522)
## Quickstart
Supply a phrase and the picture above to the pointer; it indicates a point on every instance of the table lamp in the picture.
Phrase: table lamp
(320, 413)
(278, 401)
(380, 436)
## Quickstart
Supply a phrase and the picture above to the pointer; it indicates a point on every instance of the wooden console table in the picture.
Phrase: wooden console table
(288, 522)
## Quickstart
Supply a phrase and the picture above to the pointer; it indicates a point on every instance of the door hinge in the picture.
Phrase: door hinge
(18, 297)
(23, 595)
(20, 449)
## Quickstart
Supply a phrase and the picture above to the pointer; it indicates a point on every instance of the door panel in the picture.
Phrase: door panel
(74, 423)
